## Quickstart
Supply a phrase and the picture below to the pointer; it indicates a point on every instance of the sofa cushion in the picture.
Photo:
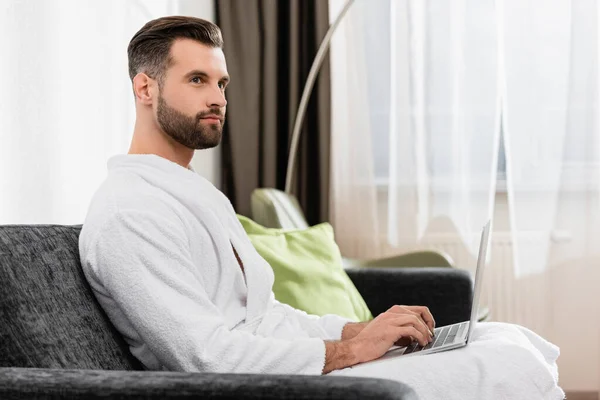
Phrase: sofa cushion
(49, 317)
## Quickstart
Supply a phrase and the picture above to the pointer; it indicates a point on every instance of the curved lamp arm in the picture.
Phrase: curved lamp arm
(310, 81)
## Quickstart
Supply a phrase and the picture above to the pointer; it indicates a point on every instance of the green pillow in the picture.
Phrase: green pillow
(308, 270)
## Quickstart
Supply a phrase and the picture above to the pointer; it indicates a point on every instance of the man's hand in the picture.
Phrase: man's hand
(399, 325)
(352, 329)
(387, 329)
(420, 311)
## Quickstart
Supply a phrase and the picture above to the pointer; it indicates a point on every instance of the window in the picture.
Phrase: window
(378, 41)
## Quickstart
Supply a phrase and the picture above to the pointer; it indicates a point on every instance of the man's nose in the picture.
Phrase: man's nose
(216, 98)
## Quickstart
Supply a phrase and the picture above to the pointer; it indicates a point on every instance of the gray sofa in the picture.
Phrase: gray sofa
(56, 341)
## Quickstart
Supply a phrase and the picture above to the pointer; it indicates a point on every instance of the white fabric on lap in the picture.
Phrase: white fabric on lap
(502, 361)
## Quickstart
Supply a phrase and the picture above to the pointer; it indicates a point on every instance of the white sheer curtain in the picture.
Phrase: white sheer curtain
(419, 80)
(552, 112)
(444, 123)
(66, 103)
(353, 193)
(417, 133)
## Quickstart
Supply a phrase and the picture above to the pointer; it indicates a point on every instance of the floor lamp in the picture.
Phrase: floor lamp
(310, 81)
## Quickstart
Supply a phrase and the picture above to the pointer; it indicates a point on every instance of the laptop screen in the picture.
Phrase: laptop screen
(481, 259)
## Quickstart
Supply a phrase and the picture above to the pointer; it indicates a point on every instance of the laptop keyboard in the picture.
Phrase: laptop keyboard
(443, 336)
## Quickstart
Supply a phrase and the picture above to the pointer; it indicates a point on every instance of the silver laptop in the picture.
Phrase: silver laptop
(457, 335)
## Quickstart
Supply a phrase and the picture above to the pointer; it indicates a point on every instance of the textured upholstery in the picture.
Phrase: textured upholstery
(77, 384)
(49, 318)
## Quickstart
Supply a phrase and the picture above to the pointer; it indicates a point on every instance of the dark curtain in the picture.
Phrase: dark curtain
(270, 46)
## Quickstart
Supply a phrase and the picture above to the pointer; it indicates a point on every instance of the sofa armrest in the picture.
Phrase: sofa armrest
(446, 291)
(39, 383)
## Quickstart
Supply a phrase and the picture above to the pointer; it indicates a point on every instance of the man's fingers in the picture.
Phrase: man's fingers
(422, 311)
(426, 315)
(405, 310)
(409, 330)
(415, 322)
(402, 310)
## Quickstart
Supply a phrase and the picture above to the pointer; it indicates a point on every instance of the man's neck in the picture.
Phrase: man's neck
(149, 141)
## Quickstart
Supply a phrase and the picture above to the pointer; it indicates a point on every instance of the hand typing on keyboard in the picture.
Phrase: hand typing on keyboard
(420, 312)
(443, 336)
(399, 324)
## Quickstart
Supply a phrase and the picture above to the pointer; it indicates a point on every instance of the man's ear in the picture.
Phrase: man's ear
(143, 87)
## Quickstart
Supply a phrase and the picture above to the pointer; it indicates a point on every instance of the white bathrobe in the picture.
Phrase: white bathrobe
(156, 247)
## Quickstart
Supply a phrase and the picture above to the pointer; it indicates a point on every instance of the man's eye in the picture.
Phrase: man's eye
(221, 85)
(196, 79)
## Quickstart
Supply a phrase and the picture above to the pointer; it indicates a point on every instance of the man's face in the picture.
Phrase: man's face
(191, 102)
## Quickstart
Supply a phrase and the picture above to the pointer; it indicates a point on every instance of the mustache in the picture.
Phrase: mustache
(215, 111)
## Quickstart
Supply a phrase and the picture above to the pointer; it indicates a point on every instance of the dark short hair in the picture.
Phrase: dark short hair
(149, 49)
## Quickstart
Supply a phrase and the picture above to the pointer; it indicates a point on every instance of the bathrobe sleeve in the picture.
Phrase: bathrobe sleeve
(327, 327)
(143, 260)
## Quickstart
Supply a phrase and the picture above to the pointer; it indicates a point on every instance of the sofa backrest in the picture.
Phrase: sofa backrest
(49, 317)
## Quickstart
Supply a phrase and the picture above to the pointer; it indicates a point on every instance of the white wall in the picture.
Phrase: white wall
(57, 132)
(206, 162)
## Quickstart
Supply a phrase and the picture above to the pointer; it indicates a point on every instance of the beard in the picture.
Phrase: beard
(188, 131)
